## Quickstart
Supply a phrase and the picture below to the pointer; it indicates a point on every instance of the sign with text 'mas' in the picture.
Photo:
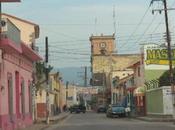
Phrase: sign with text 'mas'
(10, 0)
(159, 56)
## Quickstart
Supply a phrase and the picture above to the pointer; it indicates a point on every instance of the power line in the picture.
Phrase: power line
(146, 29)
(76, 53)
(158, 25)
(121, 38)
(89, 24)
(62, 34)
(137, 26)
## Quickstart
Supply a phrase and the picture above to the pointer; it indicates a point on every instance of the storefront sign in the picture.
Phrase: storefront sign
(159, 56)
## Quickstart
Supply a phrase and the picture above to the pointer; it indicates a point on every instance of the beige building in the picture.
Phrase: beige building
(105, 63)
(56, 96)
(29, 31)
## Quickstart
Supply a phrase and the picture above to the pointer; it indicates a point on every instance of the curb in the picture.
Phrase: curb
(55, 121)
(154, 119)
(60, 119)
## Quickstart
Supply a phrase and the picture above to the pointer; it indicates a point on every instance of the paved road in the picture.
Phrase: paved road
(93, 121)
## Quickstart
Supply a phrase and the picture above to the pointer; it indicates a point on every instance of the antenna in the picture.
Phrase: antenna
(96, 25)
(114, 20)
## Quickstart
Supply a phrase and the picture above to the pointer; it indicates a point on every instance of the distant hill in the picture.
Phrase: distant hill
(74, 75)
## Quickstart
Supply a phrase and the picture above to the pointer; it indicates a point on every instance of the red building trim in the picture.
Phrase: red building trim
(9, 46)
(10, 0)
(28, 52)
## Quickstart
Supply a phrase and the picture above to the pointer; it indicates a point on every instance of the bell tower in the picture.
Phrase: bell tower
(102, 45)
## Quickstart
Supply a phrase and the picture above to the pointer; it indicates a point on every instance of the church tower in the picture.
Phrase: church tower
(102, 45)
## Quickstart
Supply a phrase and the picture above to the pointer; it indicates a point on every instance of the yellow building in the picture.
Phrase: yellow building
(55, 96)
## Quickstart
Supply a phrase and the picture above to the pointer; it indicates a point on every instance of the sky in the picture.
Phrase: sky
(69, 24)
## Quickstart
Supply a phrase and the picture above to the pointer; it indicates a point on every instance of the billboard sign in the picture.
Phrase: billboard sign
(158, 55)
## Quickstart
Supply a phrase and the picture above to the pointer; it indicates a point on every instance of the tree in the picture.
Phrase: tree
(40, 74)
(164, 79)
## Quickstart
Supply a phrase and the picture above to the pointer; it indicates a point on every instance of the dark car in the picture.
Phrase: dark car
(116, 111)
(77, 109)
(101, 109)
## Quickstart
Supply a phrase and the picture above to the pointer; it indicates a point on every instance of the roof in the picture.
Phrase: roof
(122, 74)
(119, 62)
(102, 37)
(37, 29)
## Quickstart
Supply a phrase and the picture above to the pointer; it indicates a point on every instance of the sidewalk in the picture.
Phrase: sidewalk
(41, 125)
(155, 119)
(59, 117)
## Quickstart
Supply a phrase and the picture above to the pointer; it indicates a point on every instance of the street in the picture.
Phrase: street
(93, 121)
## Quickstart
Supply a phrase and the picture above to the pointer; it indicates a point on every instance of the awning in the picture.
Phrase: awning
(139, 91)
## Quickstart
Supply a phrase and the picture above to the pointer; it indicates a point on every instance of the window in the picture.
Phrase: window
(30, 96)
(17, 87)
(139, 71)
(10, 94)
(22, 96)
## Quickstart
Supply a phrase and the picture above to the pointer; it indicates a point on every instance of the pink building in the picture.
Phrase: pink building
(16, 68)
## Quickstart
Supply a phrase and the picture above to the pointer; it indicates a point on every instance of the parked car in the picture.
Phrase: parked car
(116, 111)
(101, 109)
(77, 109)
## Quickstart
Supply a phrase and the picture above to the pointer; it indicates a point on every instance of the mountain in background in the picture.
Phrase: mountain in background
(75, 75)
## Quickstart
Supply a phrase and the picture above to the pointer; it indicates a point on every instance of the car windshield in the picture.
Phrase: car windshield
(117, 108)
(117, 105)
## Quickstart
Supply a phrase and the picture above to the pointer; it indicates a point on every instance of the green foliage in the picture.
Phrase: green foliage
(164, 79)
(41, 74)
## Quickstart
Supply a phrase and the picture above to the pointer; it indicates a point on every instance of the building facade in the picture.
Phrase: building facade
(156, 63)
(105, 62)
(16, 69)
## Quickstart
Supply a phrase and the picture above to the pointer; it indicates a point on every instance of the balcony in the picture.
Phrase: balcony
(11, 32)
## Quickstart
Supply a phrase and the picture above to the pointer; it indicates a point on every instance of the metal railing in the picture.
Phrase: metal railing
(10, 31)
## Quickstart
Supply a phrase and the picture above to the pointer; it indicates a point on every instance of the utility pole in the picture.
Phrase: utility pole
(67, 85)
(103, 87)
(110, 76)
(85, 76)
(169, 49)
(47, 81)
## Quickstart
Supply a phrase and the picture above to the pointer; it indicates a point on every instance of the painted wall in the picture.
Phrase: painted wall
(27, 30)
(12, 63)
(154, 101)
(159, 101)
